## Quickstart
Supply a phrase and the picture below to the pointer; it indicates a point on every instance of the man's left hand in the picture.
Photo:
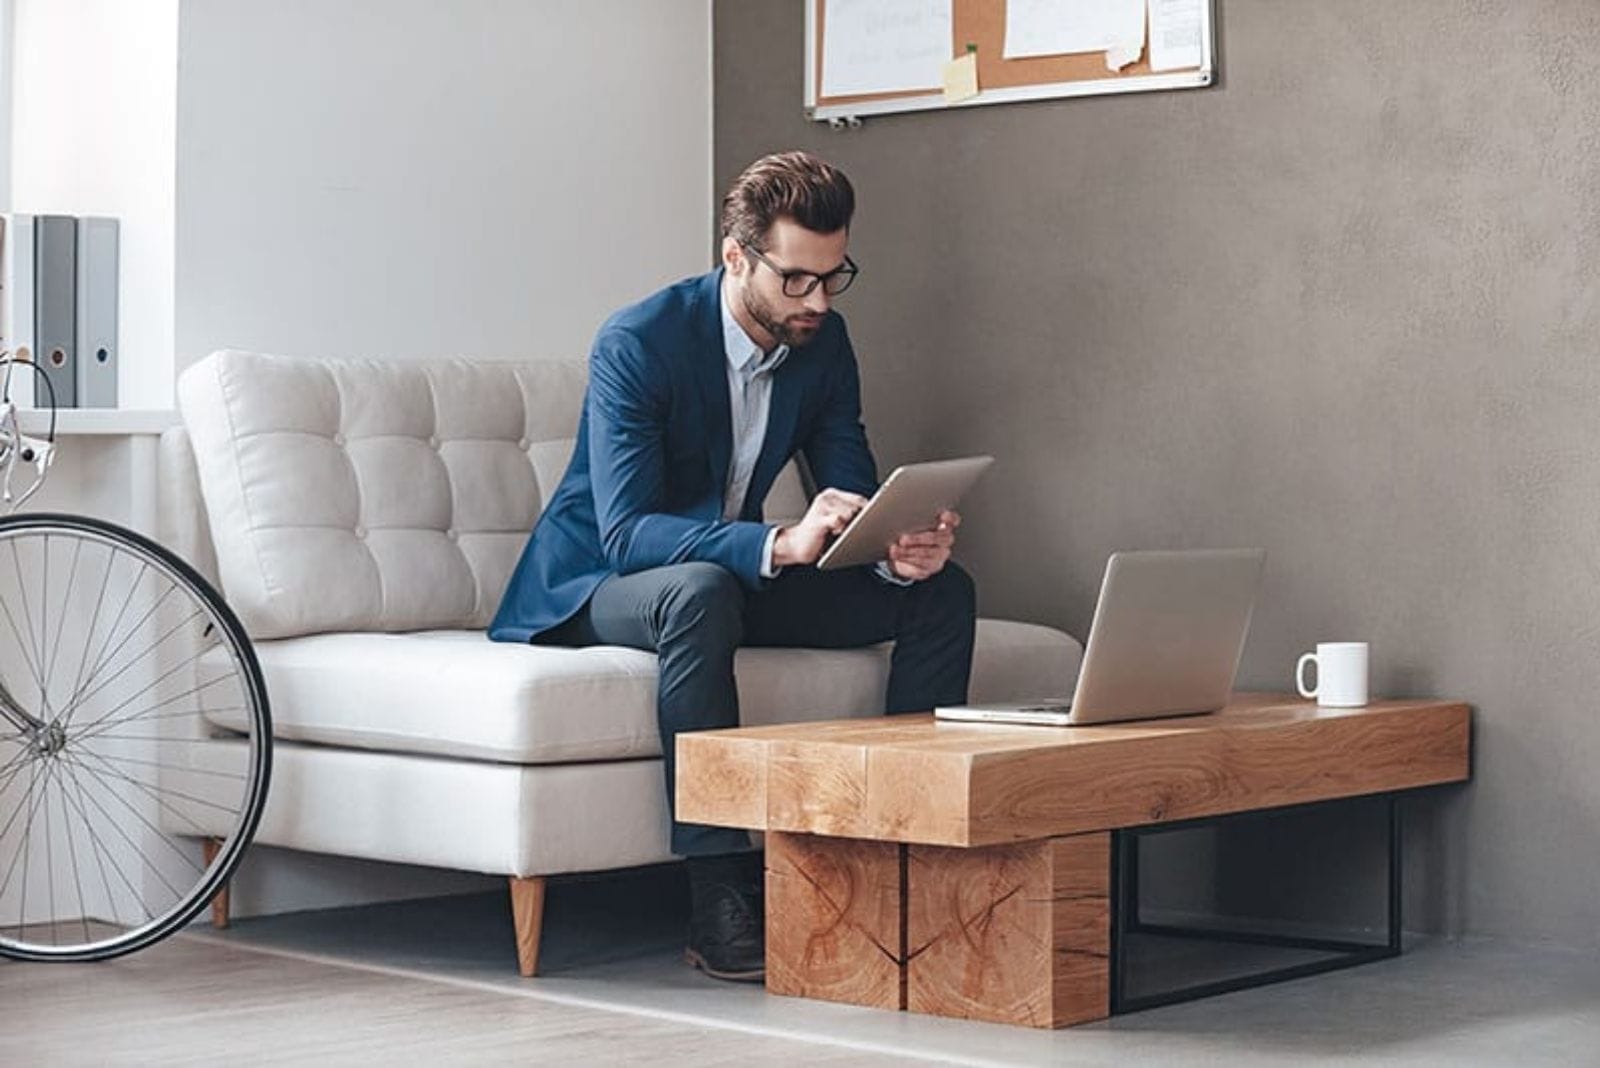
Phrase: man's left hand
(923, 554)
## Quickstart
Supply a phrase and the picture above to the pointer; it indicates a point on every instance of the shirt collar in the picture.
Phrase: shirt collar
(744, 355)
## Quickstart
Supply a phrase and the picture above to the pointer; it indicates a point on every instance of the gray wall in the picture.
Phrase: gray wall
(1341, 306)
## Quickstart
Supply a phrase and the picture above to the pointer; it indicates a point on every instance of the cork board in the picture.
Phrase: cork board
(983, 23)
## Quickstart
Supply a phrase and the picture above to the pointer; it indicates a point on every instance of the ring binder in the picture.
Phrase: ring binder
(97, 312)
(55, 307)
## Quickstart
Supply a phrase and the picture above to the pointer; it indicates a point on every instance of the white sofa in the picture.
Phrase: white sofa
(362, 518)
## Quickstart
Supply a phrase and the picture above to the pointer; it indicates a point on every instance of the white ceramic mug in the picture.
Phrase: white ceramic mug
(1341, 674)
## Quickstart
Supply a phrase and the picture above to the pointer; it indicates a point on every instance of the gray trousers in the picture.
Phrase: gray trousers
(695, 616)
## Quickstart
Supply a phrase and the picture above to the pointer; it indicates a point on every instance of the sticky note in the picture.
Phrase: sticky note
(961, 78)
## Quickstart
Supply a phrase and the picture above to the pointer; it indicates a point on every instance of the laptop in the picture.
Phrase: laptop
(1168, 632)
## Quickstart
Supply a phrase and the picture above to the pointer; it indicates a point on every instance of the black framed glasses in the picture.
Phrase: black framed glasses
(801, 283)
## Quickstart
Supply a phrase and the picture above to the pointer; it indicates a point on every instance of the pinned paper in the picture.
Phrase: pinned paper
(1130, 48)
(884, 46)
(961, 78)
(1175, 34)
(1117, 58)
(1057, 27)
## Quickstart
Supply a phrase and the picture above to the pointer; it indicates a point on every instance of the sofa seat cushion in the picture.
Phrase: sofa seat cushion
(454, 693)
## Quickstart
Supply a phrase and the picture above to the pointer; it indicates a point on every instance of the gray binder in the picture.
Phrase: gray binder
(97, 312)
(55, 301)
(16, 301)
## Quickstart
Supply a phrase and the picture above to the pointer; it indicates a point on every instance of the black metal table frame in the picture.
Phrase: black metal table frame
(1125, 919)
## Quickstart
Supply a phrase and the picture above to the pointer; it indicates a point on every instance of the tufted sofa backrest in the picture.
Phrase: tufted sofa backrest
(379, 495)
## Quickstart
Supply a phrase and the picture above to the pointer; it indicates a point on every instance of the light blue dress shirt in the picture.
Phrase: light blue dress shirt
(750, 403)
(750, 372)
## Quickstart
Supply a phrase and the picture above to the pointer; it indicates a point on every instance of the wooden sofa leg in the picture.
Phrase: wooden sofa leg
(219, 904)
(527, 915)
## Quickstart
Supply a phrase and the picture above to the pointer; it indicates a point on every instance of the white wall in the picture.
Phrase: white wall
(6, 33)
(94, 88)
(412, 178)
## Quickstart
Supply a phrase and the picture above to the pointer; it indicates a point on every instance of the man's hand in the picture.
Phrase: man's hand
(923, 554)
(830, 512)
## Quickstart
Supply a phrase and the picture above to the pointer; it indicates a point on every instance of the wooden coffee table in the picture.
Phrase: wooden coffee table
(966, 869)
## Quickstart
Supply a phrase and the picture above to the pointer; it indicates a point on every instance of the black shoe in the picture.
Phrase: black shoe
(727, 927)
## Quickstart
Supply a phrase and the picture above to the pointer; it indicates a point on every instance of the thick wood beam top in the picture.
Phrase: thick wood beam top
(913, 779)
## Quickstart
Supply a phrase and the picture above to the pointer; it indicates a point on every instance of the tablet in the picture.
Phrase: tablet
(909, 500)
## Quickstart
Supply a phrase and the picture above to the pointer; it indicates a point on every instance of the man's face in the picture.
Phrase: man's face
(758, 287)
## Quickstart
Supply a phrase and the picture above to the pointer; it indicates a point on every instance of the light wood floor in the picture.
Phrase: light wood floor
(188, 1001)
(433, 982)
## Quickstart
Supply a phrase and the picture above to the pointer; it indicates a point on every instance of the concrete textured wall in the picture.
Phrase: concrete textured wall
(1342, 306)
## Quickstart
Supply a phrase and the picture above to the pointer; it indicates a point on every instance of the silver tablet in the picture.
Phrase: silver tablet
(909, 500)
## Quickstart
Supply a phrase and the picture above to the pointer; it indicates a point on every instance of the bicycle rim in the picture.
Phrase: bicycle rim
(134, 728)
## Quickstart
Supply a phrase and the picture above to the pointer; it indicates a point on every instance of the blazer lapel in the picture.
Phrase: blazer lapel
(711, 374)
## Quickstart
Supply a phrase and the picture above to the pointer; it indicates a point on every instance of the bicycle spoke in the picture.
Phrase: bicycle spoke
(66, 603)
(22, 644)
(152, 738)
(100, 852)
(14, 764)
(22, 853)
(168, 790)
(17, 812)
(154, 794)
(95, 776)
(88, 729)
(150, 649)
(27, 613)
(76, 701)
(27, 850)
(85, 798)
(146, 688)
(72, 854)
(150, 714)
(169, 767)
(94, 620)
(13, 776)
(50, 865)
(12, 770)
(44, 620)
(127, 600)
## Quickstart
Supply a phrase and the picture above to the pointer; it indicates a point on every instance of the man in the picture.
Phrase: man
(697, 397)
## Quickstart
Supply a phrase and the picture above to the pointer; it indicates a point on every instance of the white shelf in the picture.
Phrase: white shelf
(103, 421)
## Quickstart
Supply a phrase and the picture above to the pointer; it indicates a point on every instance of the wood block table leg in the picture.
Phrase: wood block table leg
(834, 919)
(1015, 934)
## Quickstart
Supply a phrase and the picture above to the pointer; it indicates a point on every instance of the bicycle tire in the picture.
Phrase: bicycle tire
(58, 749)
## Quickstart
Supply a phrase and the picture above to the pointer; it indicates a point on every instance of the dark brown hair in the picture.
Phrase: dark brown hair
(798, 185)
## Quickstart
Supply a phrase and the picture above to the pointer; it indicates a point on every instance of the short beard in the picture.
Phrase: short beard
(781, 332)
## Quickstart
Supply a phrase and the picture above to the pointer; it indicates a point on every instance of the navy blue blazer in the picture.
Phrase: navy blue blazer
(644, 487)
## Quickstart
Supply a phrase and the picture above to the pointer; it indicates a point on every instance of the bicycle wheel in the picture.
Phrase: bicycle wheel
(133, 728)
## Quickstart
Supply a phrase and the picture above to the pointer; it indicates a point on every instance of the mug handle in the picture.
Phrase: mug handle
(1300, 675)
